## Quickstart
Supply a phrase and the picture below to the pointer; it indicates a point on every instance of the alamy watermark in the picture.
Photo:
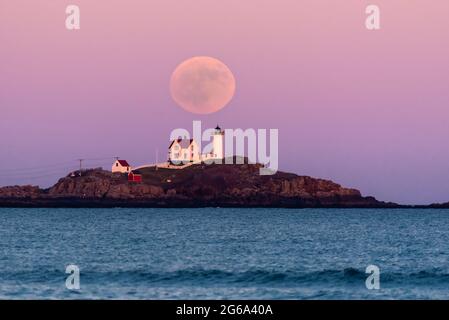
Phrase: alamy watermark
(373, 280)
(372, 21)
(226, 147)
(72, 21)
(72, 282)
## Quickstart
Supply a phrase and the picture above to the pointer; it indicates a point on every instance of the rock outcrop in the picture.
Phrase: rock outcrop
(237, 185)
(20, 192)
(99, 184)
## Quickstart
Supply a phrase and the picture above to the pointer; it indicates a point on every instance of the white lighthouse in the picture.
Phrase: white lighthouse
(217, 142)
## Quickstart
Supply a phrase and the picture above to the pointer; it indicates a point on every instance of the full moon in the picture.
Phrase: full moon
(202, 85)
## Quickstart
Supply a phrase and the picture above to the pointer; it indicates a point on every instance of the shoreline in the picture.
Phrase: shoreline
(197, 186)
(70, 203)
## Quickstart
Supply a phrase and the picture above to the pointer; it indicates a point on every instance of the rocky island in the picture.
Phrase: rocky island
(199, 185)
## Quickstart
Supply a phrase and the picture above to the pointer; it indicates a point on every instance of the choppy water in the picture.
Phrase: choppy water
(224, 253)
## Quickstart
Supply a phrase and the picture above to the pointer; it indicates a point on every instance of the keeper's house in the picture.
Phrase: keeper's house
(183, 150)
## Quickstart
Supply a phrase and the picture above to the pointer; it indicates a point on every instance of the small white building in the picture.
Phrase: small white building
(121, 166)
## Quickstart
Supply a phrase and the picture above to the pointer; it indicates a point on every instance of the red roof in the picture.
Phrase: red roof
(123, 163)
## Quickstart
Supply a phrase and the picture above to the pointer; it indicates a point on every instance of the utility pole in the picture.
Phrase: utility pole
(157, 157)
(81, 165)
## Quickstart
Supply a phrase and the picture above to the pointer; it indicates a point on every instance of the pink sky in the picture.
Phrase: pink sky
(366, 109)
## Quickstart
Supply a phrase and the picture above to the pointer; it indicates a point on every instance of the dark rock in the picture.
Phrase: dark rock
(195, 186)
(20, 192)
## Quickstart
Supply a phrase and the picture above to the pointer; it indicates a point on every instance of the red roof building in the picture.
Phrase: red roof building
(133, 177)
(121, 166)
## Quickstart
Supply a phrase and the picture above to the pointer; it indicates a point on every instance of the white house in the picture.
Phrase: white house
(183, 150)
(187, 150)
(121, 166)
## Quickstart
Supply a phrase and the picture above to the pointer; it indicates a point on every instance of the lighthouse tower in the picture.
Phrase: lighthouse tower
(217, 140)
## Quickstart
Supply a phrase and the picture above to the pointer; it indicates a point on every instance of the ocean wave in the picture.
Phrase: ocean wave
(200, 276)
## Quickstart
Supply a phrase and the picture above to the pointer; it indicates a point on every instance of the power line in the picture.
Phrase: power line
(100, 159)
(38, 169)
(48, 170)
(35, 177)
(42, 171)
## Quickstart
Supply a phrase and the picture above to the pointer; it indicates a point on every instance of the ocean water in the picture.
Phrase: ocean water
(216, 253)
